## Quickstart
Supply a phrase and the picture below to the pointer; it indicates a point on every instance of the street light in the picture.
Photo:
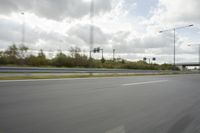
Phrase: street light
(23, 28)
(91, 26)
(174, 30)
(114, 54)
(199, 53)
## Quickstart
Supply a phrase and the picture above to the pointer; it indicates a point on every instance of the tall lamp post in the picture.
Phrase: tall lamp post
(91, 26)
(198, 52)
(174, 30)
(23, 28)
(114, 54)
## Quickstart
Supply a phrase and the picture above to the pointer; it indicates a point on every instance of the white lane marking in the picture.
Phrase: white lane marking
(148, 82)
(120, 129)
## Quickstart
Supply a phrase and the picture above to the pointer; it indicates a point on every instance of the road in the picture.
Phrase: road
(145, 104)
(5, 69)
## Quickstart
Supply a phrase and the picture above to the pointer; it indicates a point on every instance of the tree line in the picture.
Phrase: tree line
(17, 55)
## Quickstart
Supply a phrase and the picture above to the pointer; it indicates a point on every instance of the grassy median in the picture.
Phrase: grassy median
(71, 76)
(85, 75)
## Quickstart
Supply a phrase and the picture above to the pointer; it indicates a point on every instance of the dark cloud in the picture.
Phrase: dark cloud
(54, 9)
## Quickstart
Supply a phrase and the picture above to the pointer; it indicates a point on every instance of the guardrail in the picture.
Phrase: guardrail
(71, 70)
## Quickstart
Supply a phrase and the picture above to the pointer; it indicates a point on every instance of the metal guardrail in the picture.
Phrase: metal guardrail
(71, 70)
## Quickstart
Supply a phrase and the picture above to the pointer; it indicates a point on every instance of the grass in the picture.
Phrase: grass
(71, 76)
(86, 75)
(76, 76)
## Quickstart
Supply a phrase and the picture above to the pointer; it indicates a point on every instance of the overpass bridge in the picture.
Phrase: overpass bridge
(183, 66)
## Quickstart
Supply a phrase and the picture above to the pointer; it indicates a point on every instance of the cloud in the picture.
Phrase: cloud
(54, 9)
(10, 32)
(83, 32)
(177, 11)
(60, 24)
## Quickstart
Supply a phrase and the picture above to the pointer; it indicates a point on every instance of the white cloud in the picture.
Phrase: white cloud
(177, 12)
(53, 25)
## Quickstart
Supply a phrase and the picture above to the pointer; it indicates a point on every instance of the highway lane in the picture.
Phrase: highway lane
(146, 104)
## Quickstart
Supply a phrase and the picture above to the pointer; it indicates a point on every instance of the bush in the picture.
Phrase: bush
(18, 56)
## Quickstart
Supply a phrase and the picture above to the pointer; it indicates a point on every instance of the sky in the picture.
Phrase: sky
(131, 27)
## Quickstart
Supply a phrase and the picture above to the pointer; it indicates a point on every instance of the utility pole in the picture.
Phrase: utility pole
(174, 50)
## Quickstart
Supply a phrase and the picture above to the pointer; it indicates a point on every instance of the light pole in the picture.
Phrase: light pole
(174, 30)
(101, 53)
(23, 28)
(114, 54)
(198, 52)
(199, 58)
(91, 26)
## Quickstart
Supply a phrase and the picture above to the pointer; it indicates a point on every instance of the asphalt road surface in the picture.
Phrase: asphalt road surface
(151, 104)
